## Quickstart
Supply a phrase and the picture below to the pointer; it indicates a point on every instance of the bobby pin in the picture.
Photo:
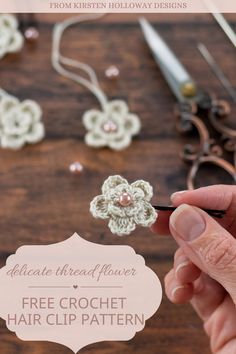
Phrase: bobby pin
(128, 205)
(213, 212)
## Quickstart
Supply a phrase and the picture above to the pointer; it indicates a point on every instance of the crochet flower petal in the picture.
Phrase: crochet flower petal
(145, 187)
(95, 140)
(5, 37)
(2, 51)
(116, 210)
(16, 123)
(117, 106)
(91, 118)
(121, 226)
(114, 193)
(133, 210)
(132, 124)
(16, 42)
(8, 21)
(111, 182)
(33, 109)
(36, 134)
(12, 142)
(7, 102)
(146, 216)
(98, 207)
(120, 143)
(137, 193)
(11, 39)
(20, 123)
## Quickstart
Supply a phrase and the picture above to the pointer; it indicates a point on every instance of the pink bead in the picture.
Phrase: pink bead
(110, 127)
(31, 34)
(125, 199)
(76, 167)
(112, 72)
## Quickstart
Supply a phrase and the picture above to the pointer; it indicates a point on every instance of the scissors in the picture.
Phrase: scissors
(191, 101)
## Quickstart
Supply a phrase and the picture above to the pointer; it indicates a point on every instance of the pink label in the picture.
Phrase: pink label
(117, 6)
(77, 292)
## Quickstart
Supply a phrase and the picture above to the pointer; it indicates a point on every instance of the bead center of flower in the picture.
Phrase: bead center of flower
(125, 199)
(109, 126)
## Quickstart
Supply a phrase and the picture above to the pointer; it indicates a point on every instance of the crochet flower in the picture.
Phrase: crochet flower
(114, 127)
(11, 39)
(126, 205)
(20, 122)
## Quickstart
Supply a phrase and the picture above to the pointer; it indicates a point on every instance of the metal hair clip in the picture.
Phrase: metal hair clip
(190, 101)
(128, 205)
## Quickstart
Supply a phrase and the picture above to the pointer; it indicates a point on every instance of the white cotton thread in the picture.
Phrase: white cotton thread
(127, 124)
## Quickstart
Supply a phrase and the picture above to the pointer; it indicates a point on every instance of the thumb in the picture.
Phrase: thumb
(207, 244)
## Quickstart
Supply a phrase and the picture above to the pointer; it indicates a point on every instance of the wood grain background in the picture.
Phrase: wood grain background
(42, 203)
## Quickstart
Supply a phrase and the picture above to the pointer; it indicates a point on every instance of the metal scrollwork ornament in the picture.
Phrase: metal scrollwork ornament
(208, 151)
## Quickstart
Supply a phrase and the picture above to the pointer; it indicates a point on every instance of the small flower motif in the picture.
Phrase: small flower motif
(114, 127)
(126, 205)
(11, 39)
(20, 122)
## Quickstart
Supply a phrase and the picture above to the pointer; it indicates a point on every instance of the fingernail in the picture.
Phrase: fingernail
(181, 266)
(176, 194)
(177, 288)
(187, 222)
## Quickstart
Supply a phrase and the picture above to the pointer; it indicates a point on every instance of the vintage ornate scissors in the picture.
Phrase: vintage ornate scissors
(191, 101)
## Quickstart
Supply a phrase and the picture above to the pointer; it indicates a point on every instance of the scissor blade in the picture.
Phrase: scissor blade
(173, 70)
(225, 27)
(222, 22)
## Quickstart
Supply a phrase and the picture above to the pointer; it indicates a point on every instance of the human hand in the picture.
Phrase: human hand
(204, 269)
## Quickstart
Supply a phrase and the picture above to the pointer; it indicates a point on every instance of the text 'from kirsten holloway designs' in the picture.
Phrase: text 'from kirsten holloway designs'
(118, 5)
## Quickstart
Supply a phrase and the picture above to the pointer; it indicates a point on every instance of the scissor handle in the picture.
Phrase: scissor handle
(220, 162)
(208, 151)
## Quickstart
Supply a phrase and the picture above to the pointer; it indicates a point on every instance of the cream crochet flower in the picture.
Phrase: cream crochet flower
(114, 127)
(20, 122)
(125, 205)
(11, 39)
